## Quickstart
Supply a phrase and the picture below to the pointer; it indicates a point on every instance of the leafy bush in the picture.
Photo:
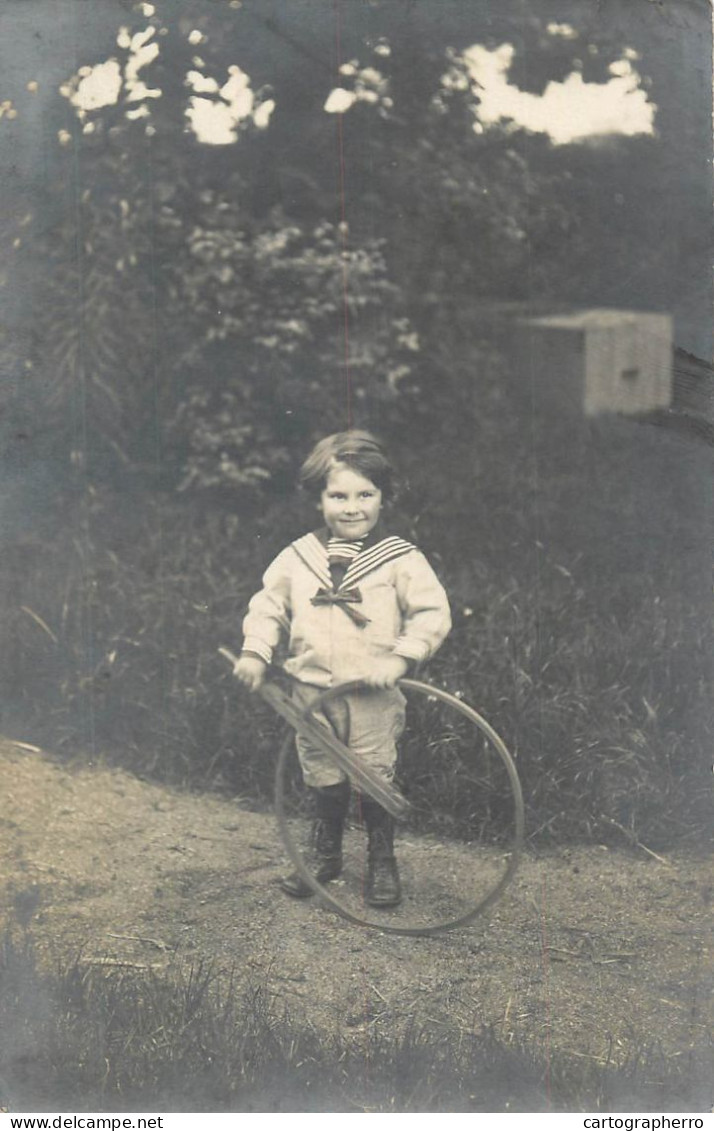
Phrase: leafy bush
(239, 330)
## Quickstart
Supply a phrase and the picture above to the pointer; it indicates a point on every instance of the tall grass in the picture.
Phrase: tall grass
(97, 1038)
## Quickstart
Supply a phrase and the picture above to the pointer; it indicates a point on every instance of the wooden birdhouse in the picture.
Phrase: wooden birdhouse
(596, 361)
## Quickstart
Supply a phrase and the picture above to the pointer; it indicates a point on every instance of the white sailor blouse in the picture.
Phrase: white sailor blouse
(389, 601)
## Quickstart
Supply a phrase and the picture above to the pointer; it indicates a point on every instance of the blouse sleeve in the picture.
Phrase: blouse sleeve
(268, 616)
(426, 617)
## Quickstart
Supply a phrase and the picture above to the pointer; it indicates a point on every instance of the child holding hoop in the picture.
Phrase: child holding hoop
(355, 603)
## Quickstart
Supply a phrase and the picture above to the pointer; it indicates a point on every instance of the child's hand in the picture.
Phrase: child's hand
(250, 670)
(386, 671)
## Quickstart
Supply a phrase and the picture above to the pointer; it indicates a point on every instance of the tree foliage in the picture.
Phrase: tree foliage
(206, 309)
(301, 326)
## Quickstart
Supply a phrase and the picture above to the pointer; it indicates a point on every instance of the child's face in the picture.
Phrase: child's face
(350, 504)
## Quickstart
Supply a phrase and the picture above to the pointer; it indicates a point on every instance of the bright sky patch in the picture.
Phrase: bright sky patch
(100, 87)
(568, 111)
(565, 31)
(215, 121)
(214, 112)
(368, 85)
(92, 88)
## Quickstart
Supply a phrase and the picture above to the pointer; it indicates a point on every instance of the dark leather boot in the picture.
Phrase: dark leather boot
(324, 858)
(383, 887)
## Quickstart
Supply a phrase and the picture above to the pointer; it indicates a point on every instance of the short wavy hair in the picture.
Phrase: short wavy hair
(356, 449)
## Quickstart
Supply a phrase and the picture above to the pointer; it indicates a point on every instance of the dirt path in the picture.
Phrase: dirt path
(594, 951)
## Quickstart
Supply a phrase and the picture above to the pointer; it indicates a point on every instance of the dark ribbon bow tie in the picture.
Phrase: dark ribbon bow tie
(345, 598)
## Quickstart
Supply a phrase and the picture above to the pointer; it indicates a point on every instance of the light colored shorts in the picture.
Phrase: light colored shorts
(369, 722)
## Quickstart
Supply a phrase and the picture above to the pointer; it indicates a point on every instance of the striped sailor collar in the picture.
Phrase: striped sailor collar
(377, 550)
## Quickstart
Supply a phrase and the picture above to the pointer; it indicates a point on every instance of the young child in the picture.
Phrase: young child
(355, 603)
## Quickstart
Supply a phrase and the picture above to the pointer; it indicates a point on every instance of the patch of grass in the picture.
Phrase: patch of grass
(94, 1038)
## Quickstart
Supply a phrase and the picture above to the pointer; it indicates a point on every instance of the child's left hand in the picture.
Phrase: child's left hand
(386, 671)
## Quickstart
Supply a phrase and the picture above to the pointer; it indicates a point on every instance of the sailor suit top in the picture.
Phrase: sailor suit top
(385, 600)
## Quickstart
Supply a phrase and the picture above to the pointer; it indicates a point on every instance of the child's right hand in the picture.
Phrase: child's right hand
(250, 670)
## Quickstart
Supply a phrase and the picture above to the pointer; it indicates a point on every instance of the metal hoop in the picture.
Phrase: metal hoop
(519, 819)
